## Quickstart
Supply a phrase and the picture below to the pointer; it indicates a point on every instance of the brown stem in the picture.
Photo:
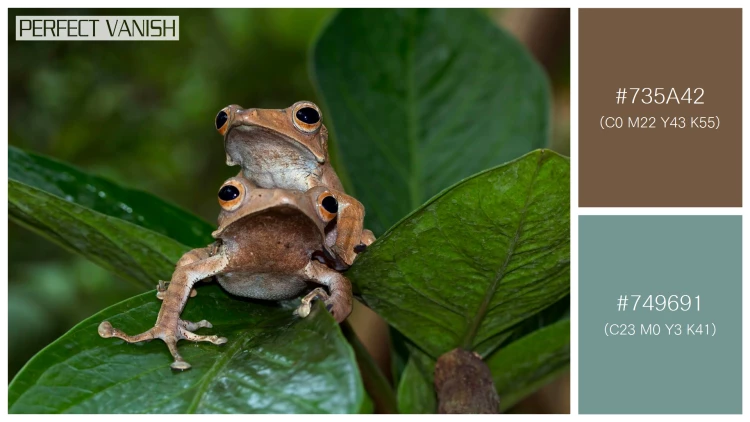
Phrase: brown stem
(463, 384)
(376, 384)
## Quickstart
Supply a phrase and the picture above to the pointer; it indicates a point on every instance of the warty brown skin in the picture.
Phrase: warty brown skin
(277, 150)
(267, 245)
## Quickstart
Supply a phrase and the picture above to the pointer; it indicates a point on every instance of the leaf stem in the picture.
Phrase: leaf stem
(376, 384)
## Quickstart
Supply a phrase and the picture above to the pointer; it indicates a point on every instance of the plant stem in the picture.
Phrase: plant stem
(376, 384)
(463, 384)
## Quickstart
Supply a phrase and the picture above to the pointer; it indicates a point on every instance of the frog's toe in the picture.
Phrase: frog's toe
(306, 306)
(106, 330)
(180, 365)
(192, 326)
(302, 310)
(187, 335)
(339, 308)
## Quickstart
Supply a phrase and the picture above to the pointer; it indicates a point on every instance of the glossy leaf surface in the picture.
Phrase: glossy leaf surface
(132, 233)
(477, 259)
(530, 362)
(274, 362)
(98, 194)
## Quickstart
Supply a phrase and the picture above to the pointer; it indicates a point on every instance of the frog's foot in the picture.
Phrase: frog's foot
(169, 335)
(161, 290)
(304, 308)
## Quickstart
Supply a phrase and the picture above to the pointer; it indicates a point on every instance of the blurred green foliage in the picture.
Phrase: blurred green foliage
(140, 114)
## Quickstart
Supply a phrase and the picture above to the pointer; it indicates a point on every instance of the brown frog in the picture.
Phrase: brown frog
(267, 241)
(288, 149)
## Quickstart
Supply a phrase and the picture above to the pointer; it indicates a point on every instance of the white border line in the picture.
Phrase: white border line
(575, 211)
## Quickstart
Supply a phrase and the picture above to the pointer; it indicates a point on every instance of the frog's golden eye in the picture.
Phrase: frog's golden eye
(306, 117)
(230, 195)
(328, 206)
(221, 121)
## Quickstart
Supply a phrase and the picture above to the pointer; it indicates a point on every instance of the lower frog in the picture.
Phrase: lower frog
(269, 244)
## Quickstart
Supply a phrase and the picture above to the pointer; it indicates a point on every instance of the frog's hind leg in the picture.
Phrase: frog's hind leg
(161, 290)
(339, 302)
(169, 327)
(188, 258)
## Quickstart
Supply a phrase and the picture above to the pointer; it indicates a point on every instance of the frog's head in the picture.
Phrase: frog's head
(240, 201)
(297, 130)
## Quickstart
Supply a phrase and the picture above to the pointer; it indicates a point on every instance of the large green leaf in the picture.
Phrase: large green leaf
(273, 362)
(423, 98)
(530, 362)
(532, 353)
(517, 370)
(129, 232)
(416, 389)
(475, 260)
(100, 195)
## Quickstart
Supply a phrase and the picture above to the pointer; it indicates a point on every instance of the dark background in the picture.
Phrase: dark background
(141, 114)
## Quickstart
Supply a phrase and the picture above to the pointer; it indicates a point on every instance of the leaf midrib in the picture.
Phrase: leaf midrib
(471, 331)
(215, 368)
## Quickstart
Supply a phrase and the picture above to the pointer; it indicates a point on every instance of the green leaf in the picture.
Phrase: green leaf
(416, 390)
(140, 208)
(423, 98)
(129, 232)
(475, 260)
(533, 353)
(274, 362)
(131, 251)
(530, 362)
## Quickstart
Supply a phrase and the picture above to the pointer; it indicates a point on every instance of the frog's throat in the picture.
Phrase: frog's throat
(236, 220)
(249, 134)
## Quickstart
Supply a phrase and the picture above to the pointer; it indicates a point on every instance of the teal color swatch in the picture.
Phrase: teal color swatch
(660, 314)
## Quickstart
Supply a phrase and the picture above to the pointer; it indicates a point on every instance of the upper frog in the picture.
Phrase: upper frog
(285, 149)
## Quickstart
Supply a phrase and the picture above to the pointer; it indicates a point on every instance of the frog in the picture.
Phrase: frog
(266, 245)
(288, 149)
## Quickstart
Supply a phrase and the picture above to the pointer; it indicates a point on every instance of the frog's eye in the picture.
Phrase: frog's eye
(221, 121)
(230, 195)
(306, 117)
(328, 206)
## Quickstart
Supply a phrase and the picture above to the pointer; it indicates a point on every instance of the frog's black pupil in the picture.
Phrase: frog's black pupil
(330, 204)
(229, 192)
(221, 118)
(308, 115)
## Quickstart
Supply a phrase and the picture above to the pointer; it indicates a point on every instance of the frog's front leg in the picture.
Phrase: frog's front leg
(350, 237)
(169, 327)
(339, 301)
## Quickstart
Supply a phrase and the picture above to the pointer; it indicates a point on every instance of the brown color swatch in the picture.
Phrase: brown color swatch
(660, 167)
